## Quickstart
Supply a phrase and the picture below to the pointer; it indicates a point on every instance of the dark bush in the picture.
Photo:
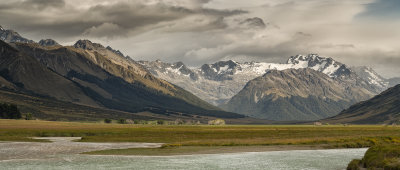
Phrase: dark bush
(9, 111)
(160, 122)
(122, 121)
(107, 120)
(28, 116)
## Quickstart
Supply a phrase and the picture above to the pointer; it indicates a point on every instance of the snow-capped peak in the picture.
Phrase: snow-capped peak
(223, 70)
(367, 73)
(12, 36)
(310, 57)
(325, 65)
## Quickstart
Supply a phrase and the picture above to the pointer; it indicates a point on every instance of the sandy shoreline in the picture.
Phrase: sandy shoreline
(59, 145)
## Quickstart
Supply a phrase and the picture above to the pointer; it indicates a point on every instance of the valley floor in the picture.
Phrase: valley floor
(200, 139)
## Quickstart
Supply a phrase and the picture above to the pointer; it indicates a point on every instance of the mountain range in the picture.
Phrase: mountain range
(218, 82)
(93, 75)
(306, 87)
(228, 84)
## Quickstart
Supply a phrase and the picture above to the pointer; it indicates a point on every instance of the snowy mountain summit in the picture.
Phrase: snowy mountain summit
(12, 36)
(372, 77)
(228, 70)
(327, 66)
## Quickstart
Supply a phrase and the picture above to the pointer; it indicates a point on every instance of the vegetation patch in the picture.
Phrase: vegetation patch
(379, 157)
(9, 111)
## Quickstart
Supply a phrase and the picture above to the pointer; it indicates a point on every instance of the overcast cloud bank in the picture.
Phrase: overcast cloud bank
(355, 32)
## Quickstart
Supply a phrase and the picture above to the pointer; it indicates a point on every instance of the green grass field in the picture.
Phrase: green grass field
(199, 139)
(331, 136)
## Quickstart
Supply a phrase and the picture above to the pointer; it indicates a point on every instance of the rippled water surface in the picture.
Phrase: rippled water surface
(300, 159)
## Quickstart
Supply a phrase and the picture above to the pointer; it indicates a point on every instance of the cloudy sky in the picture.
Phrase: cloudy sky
(354, 32)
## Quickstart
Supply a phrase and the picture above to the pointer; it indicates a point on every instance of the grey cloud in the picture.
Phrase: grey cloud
(41, 4)
(197, 32)
(107, 30)
(209, 24)
(32, 4)
(337, 46)
(384, 63)
(254, 22)
(126, 17)
(256, 50)
(134, 15)
(208, 11)
(302, 34)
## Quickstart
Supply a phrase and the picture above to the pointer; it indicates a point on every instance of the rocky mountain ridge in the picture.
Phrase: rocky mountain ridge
(94, 76)
(218, 82)
(12, 36)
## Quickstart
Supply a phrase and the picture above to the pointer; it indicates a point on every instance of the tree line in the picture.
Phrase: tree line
(9, 111)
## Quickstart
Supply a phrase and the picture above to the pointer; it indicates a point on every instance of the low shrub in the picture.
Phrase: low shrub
(122, 121)
(9, 111)
(28, 116)
(107, 120)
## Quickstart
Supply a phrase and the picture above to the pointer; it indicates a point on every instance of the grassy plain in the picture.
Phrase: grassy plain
(329, 136)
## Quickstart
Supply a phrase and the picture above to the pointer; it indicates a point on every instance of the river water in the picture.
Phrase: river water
(297, 159)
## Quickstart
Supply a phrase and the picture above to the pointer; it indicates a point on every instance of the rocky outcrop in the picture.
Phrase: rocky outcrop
(48, 42)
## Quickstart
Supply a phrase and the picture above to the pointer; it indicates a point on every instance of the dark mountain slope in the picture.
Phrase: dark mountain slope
(98, 76)
(116, 64)
(26, 73)
(47, 108)
(383, 108)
